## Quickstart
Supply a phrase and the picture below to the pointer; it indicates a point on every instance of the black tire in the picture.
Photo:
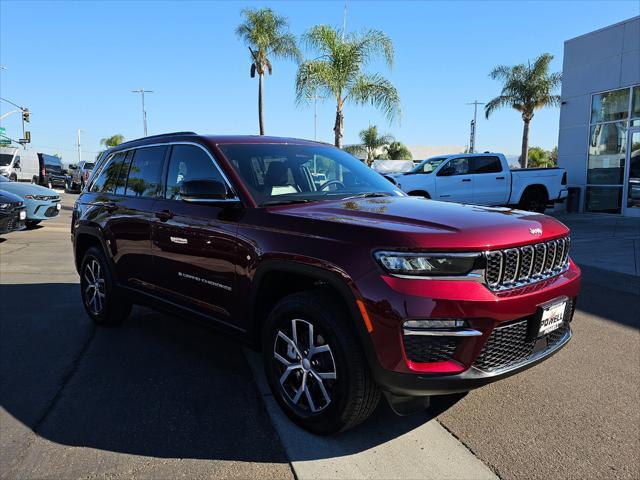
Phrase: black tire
(110, 308)
(533, 201)
(49, 184)
(13, 177)
(419, 193)
(34, 181)
(353, 393)
(32, 223)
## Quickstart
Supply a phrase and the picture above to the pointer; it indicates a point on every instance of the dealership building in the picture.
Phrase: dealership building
(599, 140)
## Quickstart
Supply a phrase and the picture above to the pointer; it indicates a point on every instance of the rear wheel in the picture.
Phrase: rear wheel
(533, 201)
(34, 180)
(315, 364)
(100, 296)
(13, 177)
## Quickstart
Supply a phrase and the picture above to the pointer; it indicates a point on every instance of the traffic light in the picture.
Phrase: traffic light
(25, 115)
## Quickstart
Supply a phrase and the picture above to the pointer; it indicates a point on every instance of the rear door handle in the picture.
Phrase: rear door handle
(466, 179)
(164, 215)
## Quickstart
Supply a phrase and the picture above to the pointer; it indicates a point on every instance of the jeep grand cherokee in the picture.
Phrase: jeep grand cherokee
(350, 288)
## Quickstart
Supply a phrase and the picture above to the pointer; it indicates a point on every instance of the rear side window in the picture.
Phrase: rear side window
(145, 172)
(486, 165)
(106, 181)
(189, 162)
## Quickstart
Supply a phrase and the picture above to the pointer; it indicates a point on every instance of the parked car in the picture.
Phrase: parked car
(485, 179)
(12, 212)
(51, 172)
(80, 175)
(351, 290)
(19, 165)
(41, 203)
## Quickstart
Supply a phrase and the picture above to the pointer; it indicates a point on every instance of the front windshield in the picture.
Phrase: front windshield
(284, 173)
(428, 165)
(5, 159)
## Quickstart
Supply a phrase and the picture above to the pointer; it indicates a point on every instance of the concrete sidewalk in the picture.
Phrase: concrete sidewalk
(607, 242)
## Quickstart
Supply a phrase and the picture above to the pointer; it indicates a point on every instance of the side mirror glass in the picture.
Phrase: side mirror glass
(203, 191)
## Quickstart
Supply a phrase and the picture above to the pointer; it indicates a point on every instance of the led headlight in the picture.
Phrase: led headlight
(427, 264)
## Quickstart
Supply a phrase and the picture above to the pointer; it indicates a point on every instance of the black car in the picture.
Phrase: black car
(51, 172)
(13, 213)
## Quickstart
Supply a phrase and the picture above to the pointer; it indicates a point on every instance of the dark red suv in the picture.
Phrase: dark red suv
(349, 287)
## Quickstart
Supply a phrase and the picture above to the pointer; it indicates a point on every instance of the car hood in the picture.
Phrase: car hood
(8, 197)
(417, 222)
(23, 189)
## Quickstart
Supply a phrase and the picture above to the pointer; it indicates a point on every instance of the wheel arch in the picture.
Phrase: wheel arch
(86, 237)
(275, 279)
(419, 193)
(535, 187)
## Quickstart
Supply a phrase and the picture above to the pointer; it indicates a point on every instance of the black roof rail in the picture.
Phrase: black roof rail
(160, 135)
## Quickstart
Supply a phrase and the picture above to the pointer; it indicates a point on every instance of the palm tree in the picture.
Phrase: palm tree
(112, 141)
(398, 151)
(371, 145)
(267, 36)
(338, 72)
(526, 88)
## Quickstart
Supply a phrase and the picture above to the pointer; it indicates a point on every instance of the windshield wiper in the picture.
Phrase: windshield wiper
(369, 195)
(284, 202)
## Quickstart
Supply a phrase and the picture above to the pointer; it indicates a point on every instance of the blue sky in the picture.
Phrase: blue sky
(74, 65)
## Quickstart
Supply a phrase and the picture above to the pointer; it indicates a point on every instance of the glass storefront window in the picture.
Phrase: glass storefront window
(633, 197)
(610, 106)
(607, 145)
(635, 107)
(604, 199)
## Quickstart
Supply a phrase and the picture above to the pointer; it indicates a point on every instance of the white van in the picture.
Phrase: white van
(19, 165)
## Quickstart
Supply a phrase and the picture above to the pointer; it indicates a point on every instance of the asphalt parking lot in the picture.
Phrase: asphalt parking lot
(162, 397)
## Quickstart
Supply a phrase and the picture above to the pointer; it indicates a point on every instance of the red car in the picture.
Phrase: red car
(350, 288)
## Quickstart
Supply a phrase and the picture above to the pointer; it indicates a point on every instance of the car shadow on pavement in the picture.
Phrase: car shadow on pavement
(156, 385)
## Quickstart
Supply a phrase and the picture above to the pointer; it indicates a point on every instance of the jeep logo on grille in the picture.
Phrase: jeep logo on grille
(535, 231)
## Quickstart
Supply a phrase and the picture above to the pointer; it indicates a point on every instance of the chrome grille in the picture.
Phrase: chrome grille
(516, 267)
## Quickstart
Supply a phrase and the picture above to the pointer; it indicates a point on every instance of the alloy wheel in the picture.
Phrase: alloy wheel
(94, 291)
(306, 365)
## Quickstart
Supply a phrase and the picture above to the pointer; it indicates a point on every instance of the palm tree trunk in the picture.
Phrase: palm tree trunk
(338, 127)
(524, 155)
(260, 114)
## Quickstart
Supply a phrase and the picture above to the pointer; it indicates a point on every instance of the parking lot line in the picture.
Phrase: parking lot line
(384, 447)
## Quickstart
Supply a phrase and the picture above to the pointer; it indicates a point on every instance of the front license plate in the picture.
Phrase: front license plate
(552, 316)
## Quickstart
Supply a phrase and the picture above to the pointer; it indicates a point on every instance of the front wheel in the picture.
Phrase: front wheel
(315, 364)
(50, 184)
(100, 296)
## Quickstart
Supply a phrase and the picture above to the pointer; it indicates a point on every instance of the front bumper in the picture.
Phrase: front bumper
(13, 220)
(42, 209)
(457, 366)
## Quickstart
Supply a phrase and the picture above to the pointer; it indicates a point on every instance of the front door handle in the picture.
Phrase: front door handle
(466, 179)
(499, 178)
(164, 215)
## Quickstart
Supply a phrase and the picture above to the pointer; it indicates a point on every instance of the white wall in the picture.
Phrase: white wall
(606, 59)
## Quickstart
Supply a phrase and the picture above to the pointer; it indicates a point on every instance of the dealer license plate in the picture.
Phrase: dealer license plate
(552, 315)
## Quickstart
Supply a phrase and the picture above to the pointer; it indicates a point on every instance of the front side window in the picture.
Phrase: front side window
(145, 172)
(189, 162)
(428, 165)
(5, 159)
(455, 166)
(281, 173)
(106, 181)
(486, 165)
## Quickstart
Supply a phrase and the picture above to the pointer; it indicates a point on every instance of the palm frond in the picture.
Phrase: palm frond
(377, 91)
(496, 103)
(314, 78)
(371, 43)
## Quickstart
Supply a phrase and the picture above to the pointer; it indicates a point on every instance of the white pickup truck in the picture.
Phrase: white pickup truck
(484, 179)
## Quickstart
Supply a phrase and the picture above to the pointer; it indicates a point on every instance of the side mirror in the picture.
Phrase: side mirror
(446, 172)
(203, 191)
(16, 164)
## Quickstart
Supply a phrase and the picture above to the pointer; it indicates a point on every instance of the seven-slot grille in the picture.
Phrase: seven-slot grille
(515, 267)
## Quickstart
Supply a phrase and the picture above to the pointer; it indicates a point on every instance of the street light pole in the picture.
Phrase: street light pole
(142, 91)
(79, 148)
(472, 141)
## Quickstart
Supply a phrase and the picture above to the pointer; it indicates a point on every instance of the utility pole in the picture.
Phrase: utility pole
(315, 117)
(79, 148)
(344, 19)
(142, 91)
(474, 125)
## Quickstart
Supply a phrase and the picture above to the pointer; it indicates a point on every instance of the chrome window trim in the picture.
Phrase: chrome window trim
(229, 185)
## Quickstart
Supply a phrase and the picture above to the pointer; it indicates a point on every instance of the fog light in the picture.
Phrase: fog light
(429, 324)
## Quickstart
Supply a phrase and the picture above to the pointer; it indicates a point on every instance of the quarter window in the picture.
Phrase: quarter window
(121, 183)
(106, 181)
(189, 162)
(145, 172)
